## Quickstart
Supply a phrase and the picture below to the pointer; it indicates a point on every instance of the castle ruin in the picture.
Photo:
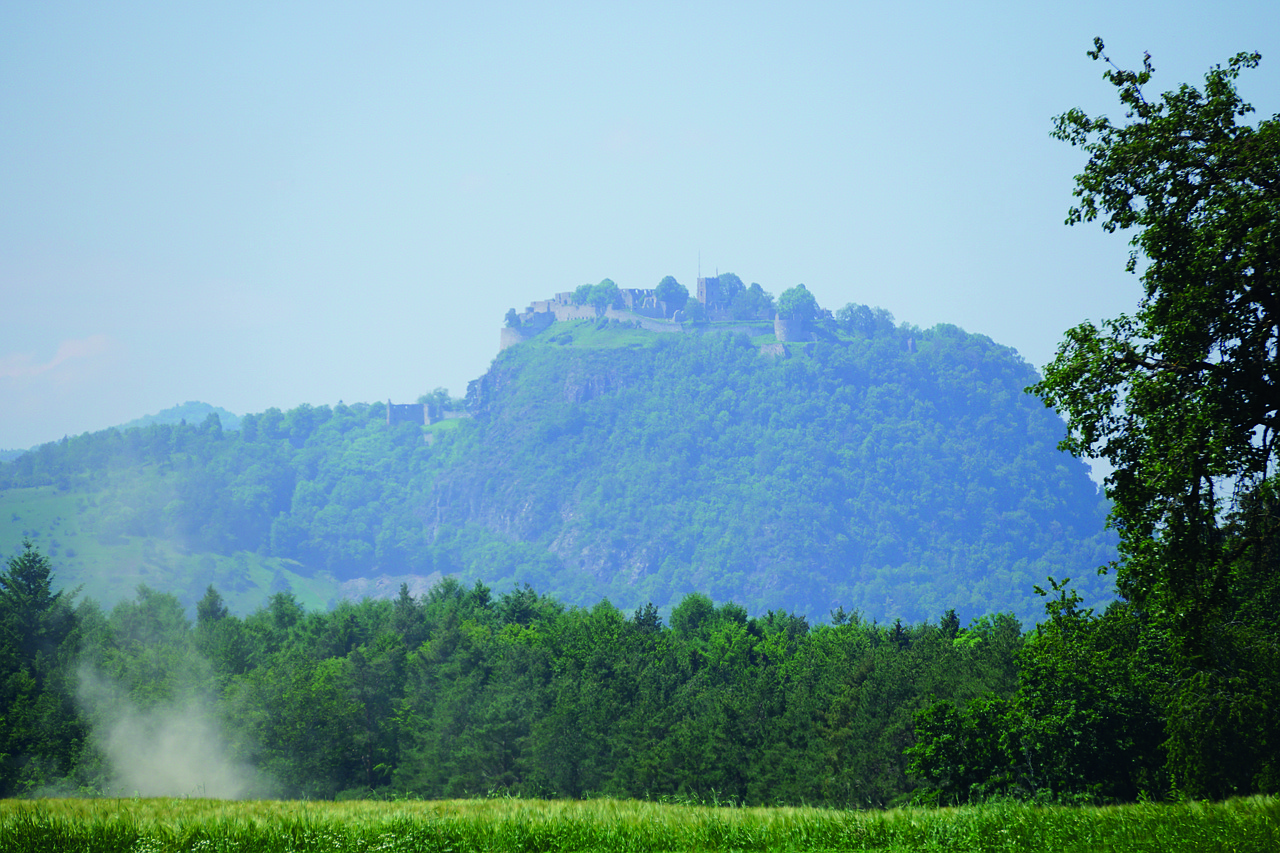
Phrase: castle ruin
(407, 413)
(640, 306)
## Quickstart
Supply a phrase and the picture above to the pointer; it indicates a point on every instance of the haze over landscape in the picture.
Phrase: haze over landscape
(814, 525)
(263, 207)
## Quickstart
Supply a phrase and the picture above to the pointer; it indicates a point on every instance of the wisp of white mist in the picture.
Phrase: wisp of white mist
(170, 750)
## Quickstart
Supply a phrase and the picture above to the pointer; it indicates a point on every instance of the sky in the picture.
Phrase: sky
(268, 204)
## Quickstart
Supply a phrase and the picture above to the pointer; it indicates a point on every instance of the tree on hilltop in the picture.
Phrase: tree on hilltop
(730, 287)
(671, 293)
(797, 303)
(753, 303)
(865, 319)
(605, 295)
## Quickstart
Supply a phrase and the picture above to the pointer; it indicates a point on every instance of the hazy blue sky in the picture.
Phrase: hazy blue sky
(264, 204)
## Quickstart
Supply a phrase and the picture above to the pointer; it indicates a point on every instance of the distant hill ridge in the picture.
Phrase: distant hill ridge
(192, 412)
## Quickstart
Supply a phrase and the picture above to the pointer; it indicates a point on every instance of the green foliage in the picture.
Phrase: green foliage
(462, 692)
(797, 303)
(753, 303)
(190, 412)
(695, 312)
(600, 296)
(33, 618)
(672, 293)
(865, 320)
(894, 482)
(39, 732)
(1090, 720)
(605, 295)
(730, 287)
(1085, 725)
(1169, 691)
(1182, 399)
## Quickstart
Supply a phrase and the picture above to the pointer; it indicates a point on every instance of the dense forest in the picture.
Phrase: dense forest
(462, 692)
(881, 468)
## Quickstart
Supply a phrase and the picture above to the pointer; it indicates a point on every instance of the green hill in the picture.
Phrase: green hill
(189, 412)
(898, 473)
(887, 469)
(192, 412)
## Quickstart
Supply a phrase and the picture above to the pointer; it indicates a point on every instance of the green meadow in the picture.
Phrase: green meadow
(161, 825)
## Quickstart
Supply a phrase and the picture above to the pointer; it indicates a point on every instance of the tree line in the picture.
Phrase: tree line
(462, 692)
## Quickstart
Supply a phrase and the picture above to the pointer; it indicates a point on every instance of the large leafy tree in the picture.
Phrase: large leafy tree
(605, 295)
(1182, 396)
(754, 303)
(672, 292)
(797, 303)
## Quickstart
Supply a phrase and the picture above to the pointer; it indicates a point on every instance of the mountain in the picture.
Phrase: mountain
(192, 412)
(872, 467)
(899, 473)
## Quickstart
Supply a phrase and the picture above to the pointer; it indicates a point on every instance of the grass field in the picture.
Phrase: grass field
(147, 825)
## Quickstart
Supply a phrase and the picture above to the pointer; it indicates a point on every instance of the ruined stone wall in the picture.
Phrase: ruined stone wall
(790, 329)
(648, 313)
(637, 299)
(565, 313)
(531, 323)
(413, 413)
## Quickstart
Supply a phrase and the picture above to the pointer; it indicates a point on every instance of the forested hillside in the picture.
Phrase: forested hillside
(879, 468)
(898, 472)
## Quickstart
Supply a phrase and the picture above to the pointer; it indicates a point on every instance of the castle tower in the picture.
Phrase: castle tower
(708, 290)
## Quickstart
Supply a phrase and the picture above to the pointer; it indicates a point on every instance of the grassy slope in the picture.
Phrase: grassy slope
(65, 527)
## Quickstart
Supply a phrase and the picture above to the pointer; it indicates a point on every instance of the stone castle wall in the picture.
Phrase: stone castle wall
(789, 329)
(641, 307)
(410, 413)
